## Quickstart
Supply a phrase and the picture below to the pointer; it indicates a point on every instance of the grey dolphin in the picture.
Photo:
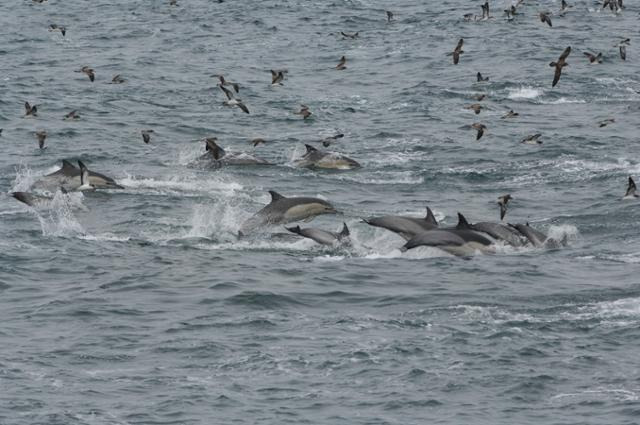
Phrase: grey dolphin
(69, 177)
(407, 227)
(500, 232)
(537, 238)
(315, 158)
(461, 240)
(36, 201)
(221, 157)
(283, 210)
(323, 237)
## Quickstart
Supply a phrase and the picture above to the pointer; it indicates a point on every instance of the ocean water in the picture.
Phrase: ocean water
(141, 306)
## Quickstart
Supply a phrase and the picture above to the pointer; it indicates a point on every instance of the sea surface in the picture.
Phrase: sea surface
(142, 306)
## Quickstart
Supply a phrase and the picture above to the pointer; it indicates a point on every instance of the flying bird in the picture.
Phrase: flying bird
(480, 128)
(146, 135)
(389, 16)
(510, 114)
(73, 115)
(480, 78)
(476, 107)
(606, 122)
(54, 27)
(561, 63)
(594, 59)
(347, 35)
(532, 139)
(90, 72)
(276, 77)
(503, 201)
(304, 111)
(30, 110)
(457, 52)
(257, 141)
(42, 136)
(232, 101)
(341, 65)
(544, 17)
(117, 79)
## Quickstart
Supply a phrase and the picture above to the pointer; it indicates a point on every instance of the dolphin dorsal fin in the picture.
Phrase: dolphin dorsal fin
(297, 230)
(344, 232)
(215, 150)
(310, 148)
(275, 196)
(67, 167)
(430, 218)
(463, 224)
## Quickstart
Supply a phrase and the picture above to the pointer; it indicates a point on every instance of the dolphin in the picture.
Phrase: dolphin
(537, 238)
(33, 200)
(500, 232)
(323, 237)
(220, 157)
(283, 210)
(315, 158)
(407, 227)
(69, 177)
(461, 240)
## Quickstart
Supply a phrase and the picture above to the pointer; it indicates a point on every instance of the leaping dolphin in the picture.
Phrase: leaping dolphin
(315, 158)
(283, 210)
(69, 177)
(407, 227)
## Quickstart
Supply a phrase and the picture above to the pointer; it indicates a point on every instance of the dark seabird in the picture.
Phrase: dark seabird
(606, 122)
(276, 77)
(232, 101)
(476, 107)
(594, 59)
(544, 17)
(0, 132)
(480, 78)
(479, 97)
(503, 201)
(341, 65)
(73, 115)
(90, 73)
(42, 136)
(173, 2)
(146, 135)
(480, 128)
(327, 141)
(485, 11)
(631, 190)
(564, 7)
(532, 139)
(347, 35)
(457, 52)
(511, 12)
(559, 65)
(39, 1)
(304, 111)
(623, 48)
(389, 16)
(117, 79)
(30, 110)
(224, 82)
(54, 27)
(257, 141)
(468, 16)
(510, 114)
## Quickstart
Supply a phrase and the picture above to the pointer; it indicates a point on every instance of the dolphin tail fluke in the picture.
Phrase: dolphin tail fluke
(430, 218)
(344, 233)
(463, 224)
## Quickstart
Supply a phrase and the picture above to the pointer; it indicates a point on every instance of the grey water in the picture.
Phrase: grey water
(141, 306)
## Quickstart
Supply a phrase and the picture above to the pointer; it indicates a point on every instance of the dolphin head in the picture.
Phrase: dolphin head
(100, 181)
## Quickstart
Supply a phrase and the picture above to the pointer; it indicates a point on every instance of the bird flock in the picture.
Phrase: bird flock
(462, 239)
